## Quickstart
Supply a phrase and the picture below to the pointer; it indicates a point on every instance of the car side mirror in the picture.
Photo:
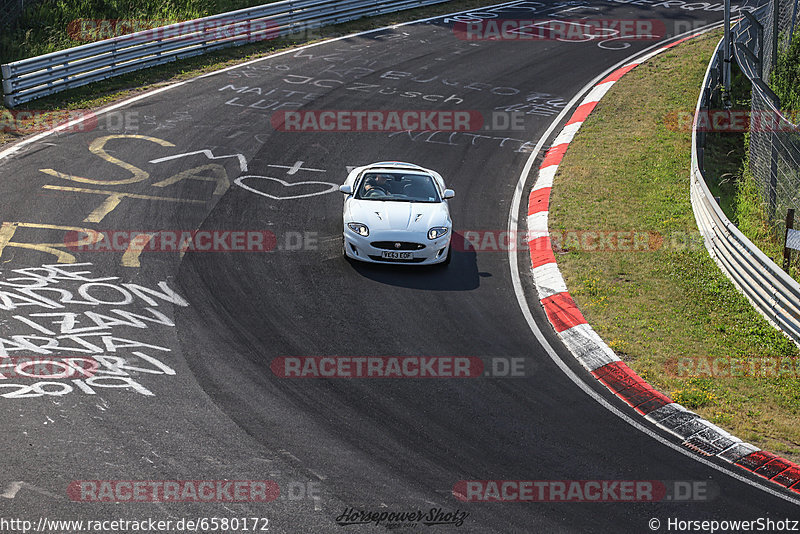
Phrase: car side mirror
(449, 193)
(346, 189)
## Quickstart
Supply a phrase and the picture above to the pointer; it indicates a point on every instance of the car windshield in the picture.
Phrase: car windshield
(398, 187)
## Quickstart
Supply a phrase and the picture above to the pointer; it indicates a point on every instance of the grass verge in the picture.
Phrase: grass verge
(102, 93)
(669, 310)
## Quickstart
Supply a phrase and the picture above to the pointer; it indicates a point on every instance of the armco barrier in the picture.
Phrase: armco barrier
(33, 78)
(773, 292)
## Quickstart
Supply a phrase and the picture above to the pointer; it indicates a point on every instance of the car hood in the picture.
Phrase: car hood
(409, 216)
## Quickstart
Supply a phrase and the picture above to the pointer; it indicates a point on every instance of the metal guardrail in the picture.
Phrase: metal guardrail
(33, 78)
(773, 292)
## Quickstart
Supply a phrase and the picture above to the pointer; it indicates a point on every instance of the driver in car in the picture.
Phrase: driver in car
(379, 182)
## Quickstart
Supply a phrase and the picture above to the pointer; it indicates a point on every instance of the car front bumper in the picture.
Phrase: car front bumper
(371, 248)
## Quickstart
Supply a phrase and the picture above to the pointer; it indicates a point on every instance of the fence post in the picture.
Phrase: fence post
(787, 252)
(760, 41)
(726, 66)
(774, 13)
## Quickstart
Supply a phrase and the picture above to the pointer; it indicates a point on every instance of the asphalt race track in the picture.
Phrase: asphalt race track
(186, 391)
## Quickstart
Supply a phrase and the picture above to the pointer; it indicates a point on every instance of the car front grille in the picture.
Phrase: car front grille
(392, 245)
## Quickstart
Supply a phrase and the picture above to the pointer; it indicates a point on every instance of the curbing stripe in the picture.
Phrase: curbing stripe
(581, 113)
(598, 91)
(773, 468)
(537, 225)
(594, 354)
(541, 251)
(548, 280)
(567, 134)
(554, 155)
(538, 200)
(788, 478)
(587, 347)
(619, 73)
(562, 311)
(545, 177)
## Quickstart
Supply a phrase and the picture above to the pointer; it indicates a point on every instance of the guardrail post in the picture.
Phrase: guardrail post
(787, 252)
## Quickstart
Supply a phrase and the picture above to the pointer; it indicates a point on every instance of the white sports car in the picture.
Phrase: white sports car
(396, 212)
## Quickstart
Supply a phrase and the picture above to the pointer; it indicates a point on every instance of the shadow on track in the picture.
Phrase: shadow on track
(460, 275)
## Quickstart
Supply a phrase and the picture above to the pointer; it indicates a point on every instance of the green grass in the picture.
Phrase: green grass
(785, 78)
(43, 27)
(628, 169)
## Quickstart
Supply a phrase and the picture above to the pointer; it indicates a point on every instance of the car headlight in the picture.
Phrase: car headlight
(360, 229)
(437, 231)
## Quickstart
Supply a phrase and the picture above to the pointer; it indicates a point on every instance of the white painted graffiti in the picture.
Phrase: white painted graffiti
(571, 12)
(526, 8)
(293, 169)
(279, 97)
(290, 170)
(64, 331)
(465, 139)
(256, 71)
(208, 154)
(537, 104)
(329, 187)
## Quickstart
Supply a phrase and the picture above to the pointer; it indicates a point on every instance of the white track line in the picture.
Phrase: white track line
(513, 224)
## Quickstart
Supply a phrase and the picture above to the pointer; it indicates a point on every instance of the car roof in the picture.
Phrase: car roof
(394, 165)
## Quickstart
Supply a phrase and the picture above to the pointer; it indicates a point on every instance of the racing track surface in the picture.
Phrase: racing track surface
(196, 398)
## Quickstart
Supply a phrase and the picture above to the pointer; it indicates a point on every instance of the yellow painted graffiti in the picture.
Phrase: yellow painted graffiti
(113, 198)
(59, 250)
(218, 175)
(97, 147)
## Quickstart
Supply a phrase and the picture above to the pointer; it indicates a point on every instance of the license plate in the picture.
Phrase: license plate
(392, 255)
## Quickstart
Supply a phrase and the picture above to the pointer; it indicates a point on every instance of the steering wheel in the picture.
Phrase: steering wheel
(376, 191)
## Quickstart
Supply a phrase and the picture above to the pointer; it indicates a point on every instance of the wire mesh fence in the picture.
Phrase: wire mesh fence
(10, 10)
(779, 24)
(774, 139)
